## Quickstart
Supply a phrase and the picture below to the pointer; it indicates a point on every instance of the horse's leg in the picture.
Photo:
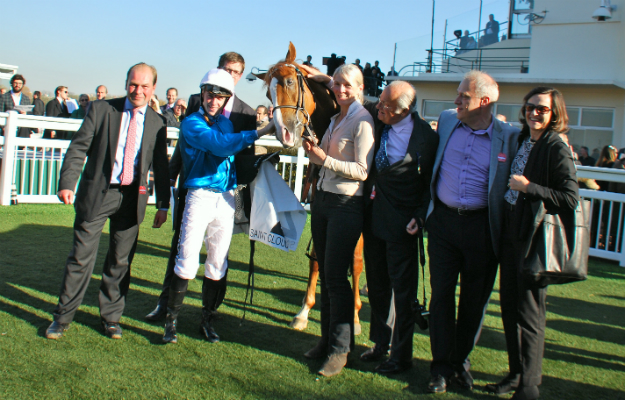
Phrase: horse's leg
(358, 265)
(300, 321)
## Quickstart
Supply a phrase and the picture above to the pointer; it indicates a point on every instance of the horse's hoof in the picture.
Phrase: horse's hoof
(299, 324)
(357, 329)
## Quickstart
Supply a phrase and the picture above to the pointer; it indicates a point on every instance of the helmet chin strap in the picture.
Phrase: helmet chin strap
(211, 119)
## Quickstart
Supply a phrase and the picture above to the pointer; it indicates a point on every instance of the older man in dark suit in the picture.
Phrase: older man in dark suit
(14, 97)
(243, 118)
(123, 138)
(469, 181)
(397, 195)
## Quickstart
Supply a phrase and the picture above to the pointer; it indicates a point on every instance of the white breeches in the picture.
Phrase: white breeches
(207, 213)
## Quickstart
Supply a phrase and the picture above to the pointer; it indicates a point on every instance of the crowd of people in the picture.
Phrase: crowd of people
(490, 35)
(384, 173)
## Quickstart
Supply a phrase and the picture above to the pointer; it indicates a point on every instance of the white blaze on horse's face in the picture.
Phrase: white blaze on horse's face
(288, 130)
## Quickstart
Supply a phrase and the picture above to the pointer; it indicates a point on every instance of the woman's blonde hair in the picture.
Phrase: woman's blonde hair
(353, 75)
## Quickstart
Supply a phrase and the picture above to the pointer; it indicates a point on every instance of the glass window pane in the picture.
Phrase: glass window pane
(595, 139)
(523, 4)
(520, 24)
(432, 109)
(510, 111)
(597, 117)
(573, 113)
(576, 138)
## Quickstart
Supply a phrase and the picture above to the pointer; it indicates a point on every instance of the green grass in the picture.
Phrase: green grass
(262, 358)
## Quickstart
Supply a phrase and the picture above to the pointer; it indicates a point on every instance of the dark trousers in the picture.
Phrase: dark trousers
(523, 309)
(336, 226)
(173, 251)
(458, 246)
(391, 268)
(120, 206)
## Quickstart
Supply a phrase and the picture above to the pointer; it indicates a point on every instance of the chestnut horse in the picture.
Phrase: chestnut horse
(299, 105)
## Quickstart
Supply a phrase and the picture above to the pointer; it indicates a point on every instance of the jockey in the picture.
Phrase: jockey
(208, 145)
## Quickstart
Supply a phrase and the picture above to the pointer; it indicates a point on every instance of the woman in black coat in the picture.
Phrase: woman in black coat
(543, 169)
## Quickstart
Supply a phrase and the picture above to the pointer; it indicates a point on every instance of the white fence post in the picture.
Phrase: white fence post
(8, 157)
(299, 173)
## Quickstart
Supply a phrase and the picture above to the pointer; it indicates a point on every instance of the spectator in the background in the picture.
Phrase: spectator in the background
(40, 108)
(434, 125)
(15, 97)
(332, 64)
(606, 160)
(585, 158)
(369, 80)
(308, 61)
(2, 91)
(57, 107)
(617, 187)
(262, 117)
(172, 95)
(464, 42)
(101, 92)
(83, 103)
(392, 72)
(357, 63)
(270, 113)
(175, 115)
(379, 78)
(491, 33)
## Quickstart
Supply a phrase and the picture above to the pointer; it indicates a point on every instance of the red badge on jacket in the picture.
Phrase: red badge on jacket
(502, 157)
(143, 190)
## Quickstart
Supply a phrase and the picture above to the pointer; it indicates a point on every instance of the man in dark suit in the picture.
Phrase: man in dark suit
(40, 108)
(397, 195)
(14, 97)
(123, 138)
(172, 95)
(491, 33)
(175, 115)
(57, 108)
(243, 118)
(464, 221)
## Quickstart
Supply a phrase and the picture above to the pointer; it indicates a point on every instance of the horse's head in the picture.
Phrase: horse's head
(293, 103)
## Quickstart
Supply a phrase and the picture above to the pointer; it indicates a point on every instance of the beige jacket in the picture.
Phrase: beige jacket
(349, 150)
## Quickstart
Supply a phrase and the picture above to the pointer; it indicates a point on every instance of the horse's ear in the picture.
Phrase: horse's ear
(290, 55)
(260, 76)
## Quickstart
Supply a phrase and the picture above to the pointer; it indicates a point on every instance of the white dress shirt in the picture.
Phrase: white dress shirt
(398, 138)
(17, 98)
(116, 177)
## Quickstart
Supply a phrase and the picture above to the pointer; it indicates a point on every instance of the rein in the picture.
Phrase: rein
(301, 105)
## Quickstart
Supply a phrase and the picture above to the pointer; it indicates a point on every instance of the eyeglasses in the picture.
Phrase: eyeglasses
(84, 100)
(233, 71)
(529, 107)
(385, 106)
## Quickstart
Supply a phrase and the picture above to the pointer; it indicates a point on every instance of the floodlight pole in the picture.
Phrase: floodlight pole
(432, 38)
(479, 25)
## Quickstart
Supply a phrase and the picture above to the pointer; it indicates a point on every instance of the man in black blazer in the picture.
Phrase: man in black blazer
(7, 102)
(57, 108)
(123, 138)
(397, 196)
(40, 108)
(243, 118)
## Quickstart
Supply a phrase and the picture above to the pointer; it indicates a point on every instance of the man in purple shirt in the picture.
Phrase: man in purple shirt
(464, 223)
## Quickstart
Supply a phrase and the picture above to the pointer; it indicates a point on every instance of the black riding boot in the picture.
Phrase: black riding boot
(176, 297)
(221, 286)
(211, 293)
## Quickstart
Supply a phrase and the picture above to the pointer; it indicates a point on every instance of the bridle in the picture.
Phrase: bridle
(301, 105)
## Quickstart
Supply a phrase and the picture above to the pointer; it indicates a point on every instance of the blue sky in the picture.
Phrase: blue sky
(81, 44)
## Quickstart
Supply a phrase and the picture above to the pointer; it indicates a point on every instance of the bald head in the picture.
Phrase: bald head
(396, 102)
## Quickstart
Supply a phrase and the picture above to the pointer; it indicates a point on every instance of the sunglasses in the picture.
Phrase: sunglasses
(529, 107)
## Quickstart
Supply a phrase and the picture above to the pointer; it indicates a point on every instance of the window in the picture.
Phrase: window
(510, 111)
(590, 127)
(432, 109)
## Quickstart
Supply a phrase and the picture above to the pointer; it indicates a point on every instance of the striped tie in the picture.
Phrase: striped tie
(128, 172)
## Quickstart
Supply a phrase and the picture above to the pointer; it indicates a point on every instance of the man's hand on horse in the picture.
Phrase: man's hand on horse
(315, 74)
(315, 154)
(66, 196)
(267, 130)
(160, 218)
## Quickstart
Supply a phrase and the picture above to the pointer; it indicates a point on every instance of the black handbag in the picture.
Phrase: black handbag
(553, 258)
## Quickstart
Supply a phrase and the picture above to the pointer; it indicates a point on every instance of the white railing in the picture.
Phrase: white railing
(33, 165)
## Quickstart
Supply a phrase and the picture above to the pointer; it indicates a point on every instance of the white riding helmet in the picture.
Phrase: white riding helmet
(218, 81)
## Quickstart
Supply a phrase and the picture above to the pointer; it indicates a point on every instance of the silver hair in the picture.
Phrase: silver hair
(353, 75)
(408, 97)
(485, 85)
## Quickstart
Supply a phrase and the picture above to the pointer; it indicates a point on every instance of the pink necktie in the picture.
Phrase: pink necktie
(128, 172)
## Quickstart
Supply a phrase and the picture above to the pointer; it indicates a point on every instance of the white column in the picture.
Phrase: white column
(8, 157)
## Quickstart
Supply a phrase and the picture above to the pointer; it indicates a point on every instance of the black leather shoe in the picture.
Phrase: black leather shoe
(170, 335)
(437, 384)
(507, 385)
(157, 314)
(319, 351)
(333, 365)
(393, 367)
(375, 353)
(112, 330)
(463, 379)
(56, 330)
